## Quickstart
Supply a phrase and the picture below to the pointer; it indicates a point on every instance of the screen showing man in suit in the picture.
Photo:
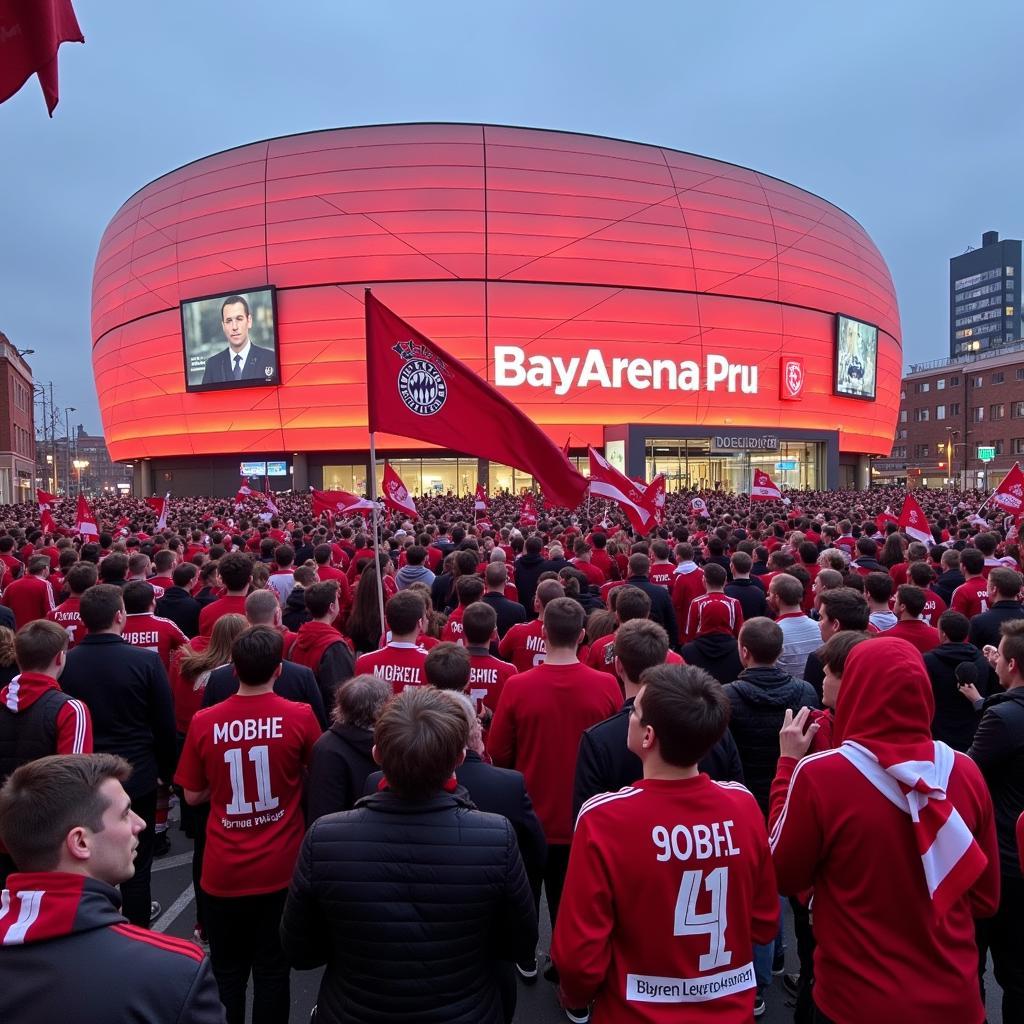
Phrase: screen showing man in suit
(230, 341)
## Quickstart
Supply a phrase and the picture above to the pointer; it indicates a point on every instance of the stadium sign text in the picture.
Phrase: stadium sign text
(513, 368)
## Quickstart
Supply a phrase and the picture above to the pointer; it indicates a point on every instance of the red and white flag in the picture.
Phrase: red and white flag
(395, 494)
(654, 499)
(86, 522)
(528, 511)
(122, 526)
(914, 523)
(699, 507)
(885, 517)
(30, 33)
(764, 489)
(416, 389)
(339, 503)
(268, 497)
(480, 503)
(159, 506)
(45, 499)
(608, 482)
(46, 520)
(244, 492)
(1009, 495)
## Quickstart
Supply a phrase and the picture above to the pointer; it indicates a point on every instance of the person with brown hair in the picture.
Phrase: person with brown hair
(451, 871)
(321, 647)
(65, 949)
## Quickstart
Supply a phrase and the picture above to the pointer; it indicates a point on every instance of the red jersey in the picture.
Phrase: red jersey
(30, 598)
(662, 573)
(670, 884)
(401, 664)
(600, 559)
(452, 632)
(487, 678)
(685, 587)
(187, 694)
(607, 588)
(898, 572)
(67, 616)
(934, 606)
(725, 608)
(213, 611)
(970, 598)
(914, 631)
(523, 645)
(537, 729)
(251, 753)
(595, 577)
(328, 572)
(602, 656)
(154, 634)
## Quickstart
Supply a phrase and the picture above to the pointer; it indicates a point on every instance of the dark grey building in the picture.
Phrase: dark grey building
(984, 296)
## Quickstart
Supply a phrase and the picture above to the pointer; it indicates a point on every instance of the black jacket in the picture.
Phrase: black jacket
(342, 761)
(181, 608)
(998, 750)
(955, 719)
(986, 629)
(499, 791)
(296, 682)
(129, 698)
(442, 592)
(717, 653)
(605, 764)
(295, 612)
(6, 617)
(527, 571)
(260, 365)
(759, 698)
(509, 612)
(411, 905)
(751, 595)
(662, 611)
(95, 967)
(946, 583)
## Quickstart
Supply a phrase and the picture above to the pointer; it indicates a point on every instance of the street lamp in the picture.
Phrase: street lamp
(80, 464)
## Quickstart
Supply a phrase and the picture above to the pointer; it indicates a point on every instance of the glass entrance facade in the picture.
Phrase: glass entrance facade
(689, 465)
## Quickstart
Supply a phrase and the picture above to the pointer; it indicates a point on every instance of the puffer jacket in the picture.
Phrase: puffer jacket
(759, 700)
(411, 905)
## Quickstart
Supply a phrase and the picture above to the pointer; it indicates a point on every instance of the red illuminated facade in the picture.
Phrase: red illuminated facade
(505, 245)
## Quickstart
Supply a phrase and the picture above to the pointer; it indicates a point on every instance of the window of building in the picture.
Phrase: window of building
(922, 388)
(1009, 271)
(954, 382)
(998, 446)
(1017, 445)
(954, 409)
(903, 395)
(978, 414)
(1016, 410)
(1020, 374)
(901, 435)
(977, 382)
(920, 451)
(940, 412)
(899, 452)
(903, 415)
(998, 377)
(940, 384)
(1009, 310)
(985, 275)
(922, 415)
(996, 412)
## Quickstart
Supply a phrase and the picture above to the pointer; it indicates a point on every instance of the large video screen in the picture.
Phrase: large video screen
(856, 358)
(230, 341)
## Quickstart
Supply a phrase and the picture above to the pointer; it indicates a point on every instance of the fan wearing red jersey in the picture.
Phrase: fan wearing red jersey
(146, 629)
(235, 571)
(79, 579)
(971, 597)
(401, 661)
(687, 582)
(537, 728)
(469, 590)
(30, 596)
(714, 594)
(896, 834)
(321, 647)
(247, 756)
(487, 674)
(670, 880)
(523, 644)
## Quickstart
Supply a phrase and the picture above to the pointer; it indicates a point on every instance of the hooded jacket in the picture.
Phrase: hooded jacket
(760, 698)
(955, 719)
(528, 569)
(320, 647)
(859, 850)
(66, 952)
(295, 613)
(716, 653)
(409, 574)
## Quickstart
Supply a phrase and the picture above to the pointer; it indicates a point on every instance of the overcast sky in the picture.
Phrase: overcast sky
(905, 114)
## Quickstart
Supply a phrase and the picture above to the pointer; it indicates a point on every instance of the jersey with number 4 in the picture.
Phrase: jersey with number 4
(670, 884)
(252, 753)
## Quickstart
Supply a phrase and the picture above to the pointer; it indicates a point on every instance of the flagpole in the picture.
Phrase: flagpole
(375, 514)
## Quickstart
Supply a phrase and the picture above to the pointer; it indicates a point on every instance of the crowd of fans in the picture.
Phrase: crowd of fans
(674, 739)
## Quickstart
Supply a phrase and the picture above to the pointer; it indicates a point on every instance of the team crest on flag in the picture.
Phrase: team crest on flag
(791, 378)
(421, 383)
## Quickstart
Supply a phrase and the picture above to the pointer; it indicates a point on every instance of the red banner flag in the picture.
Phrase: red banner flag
(46, 520)
(395, 494)
(85, 520)
(244, 491)
(1009, 495)
(885, 517)
(764, 488)
(30, 33)
(480, 499)
(268, 497)
(608, 482)
(914, 523)
(45, 498)
(416, 389)
(654, 499)
(339, 503)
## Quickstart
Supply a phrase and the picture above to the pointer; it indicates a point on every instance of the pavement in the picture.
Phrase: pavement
(172, 886)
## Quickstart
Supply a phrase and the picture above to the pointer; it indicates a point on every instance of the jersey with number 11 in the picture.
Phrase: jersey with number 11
(670, 884)
(252, 753)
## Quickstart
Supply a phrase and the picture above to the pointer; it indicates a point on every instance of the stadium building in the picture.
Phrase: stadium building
(687, 315)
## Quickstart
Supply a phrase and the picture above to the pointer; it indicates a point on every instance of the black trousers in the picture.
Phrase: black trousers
(1003, 936)
(135, 893)
(555, 869)
(804, 1011)
(244, 939)
(200, 816)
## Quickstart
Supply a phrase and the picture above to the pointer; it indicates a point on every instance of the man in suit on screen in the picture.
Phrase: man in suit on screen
(241, 360)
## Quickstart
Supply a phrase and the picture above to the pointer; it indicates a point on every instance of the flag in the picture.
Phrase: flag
(565, 447)
(268, 497)
(654, 499)
(528, 510)
(764, 489)
(45, 498)
(1009, 495)
(46, 520)
(1011, 532)
(699, 507)
(885, 517)
(121, 526)
(335, 502)
(415, 389)
(914, 523)
(159, 506)
(395, 494)
(85, 520)
(480, 499)
(608, 482)
(30, 33)
(244, 491)
(977, 520)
